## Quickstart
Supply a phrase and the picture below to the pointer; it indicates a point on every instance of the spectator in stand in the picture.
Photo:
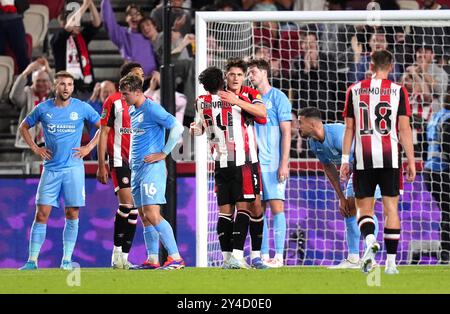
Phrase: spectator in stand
(101, 91)
(154, 92)
(149, 29)
(310, 75)
(420, 99)
(310, 5)
(362, 61)
(180, 21)
(226, 5)
(184, 67)
(70, 47)
(133, 45)
(26, 98)
(12, 31)
(432, 74)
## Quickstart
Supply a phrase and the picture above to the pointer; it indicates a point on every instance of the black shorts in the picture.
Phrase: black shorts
(237, 183)
(365, 182)
(121, 177)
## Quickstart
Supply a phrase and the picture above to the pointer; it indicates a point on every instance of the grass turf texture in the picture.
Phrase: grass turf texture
(420, 279)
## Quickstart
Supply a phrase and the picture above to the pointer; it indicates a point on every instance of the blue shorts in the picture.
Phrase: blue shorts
(148, 184)
(69, 183)
(349, 192)
(272, 188)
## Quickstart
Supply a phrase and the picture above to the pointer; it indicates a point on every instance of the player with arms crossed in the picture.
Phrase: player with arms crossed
(325, 140)
(62, 120)
(227, 116)
(149, 121)
(274, 144)
(377, 115)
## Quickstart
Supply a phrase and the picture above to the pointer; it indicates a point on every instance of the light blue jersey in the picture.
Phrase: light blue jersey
(149, 123)
(330, 151)
(148, 181)
(63, 128)
(268, 135)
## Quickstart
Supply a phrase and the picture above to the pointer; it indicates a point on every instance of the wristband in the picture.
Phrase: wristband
(345, 159)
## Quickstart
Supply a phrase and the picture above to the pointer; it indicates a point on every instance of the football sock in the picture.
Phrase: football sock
(70, 234)
(265, 239)
(130, 230)
(167, 237)
(225, 233)
(256, 233)
(120, 223)
(151, 239)
(37, 238)
(279, 229)
(391, 238)
(240, 229)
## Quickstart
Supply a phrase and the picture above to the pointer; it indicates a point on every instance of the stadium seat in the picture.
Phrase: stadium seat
(35, 20)
(6, 75)
(54, 6)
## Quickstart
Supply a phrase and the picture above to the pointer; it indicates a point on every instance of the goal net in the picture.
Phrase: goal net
(314, 57)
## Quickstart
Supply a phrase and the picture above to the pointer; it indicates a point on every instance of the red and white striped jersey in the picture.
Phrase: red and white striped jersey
(375, 106)
(231, 133)
(115, 115)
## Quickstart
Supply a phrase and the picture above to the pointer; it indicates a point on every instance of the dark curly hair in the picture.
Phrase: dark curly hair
(212, 79)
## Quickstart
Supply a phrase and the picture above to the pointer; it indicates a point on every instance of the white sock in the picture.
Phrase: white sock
(226, 256)
(265, 257)
(390, 259)
(176, 256)
(354, 258)
(153, 258)
(238, 254)
(370, 239)
(117, 249)
(279, 257)
(255, 254)
(125, 257)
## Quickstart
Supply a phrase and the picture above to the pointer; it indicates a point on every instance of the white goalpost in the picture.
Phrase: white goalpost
(315, 56)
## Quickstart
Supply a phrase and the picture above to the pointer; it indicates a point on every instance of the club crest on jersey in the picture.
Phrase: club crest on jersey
(104, 113)
(268, 104)
(125, 180)
(140, 118)
(73, 116)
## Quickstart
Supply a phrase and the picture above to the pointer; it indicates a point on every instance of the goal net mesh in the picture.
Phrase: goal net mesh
(313, 64)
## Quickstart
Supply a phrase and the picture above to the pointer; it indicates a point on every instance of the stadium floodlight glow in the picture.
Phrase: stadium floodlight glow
(315, 227)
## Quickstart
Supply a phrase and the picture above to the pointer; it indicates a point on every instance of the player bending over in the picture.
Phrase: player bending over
(325, 140)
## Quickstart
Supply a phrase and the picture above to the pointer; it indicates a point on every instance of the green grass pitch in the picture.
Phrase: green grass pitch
(412, 279)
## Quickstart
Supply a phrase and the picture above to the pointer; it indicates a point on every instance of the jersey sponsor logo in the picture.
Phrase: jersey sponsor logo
(73, 116)
(61, 128)
(126, 131)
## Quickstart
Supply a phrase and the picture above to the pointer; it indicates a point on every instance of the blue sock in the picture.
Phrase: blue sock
(353, 235)
(265, 238)
(377, 228)
(70, 234)
(279, 229)
(167, 237)
(37, 238)
(151, 239)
